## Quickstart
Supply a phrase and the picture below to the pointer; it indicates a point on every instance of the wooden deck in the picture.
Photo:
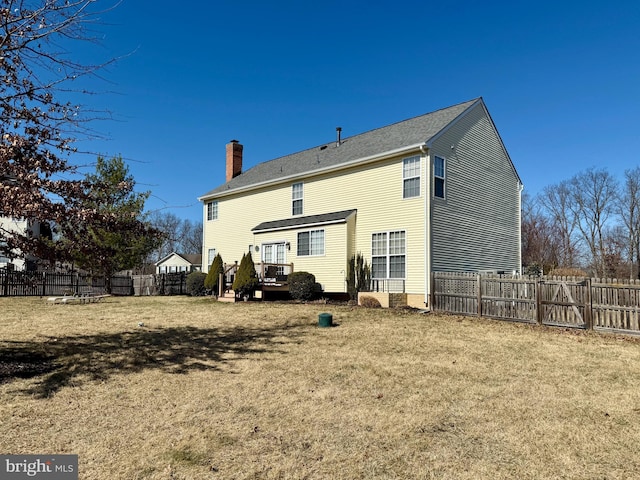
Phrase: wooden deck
(272, 278)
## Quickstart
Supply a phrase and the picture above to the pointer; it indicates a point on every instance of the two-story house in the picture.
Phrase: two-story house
(437, 192)
(13, 258)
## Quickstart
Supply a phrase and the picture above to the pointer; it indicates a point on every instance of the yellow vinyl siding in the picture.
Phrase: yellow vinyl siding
(231, 233)
(375, 190)
(330, 268)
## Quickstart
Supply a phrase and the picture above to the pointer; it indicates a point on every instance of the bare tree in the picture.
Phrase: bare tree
(191, 236)
(38, 127)
(180, 236)
(593, 195)
(557, 200)
(541, 239)
(169, 226)
(629, 211)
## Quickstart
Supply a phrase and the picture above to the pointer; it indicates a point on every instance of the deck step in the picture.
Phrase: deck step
(229, 297)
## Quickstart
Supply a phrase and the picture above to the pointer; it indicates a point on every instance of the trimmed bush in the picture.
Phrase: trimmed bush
(302, 285)
(369, 302)
(213, 277)
(195, 284)
(246, 279)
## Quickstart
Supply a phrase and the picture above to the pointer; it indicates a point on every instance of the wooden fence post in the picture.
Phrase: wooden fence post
(588, 307)
(44, 284)
(538, 286)
(479, 290)
(432, 286)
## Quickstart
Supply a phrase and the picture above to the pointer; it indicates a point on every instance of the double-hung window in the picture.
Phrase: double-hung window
(297, 192)
(212, 210)
(438, 177)
(211, 254)
(388, 255)
(411, 177)
(311, 243)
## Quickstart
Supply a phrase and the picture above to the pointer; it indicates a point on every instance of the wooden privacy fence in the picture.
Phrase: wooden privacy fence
(600, 304)
(20, 284)
(160, 284)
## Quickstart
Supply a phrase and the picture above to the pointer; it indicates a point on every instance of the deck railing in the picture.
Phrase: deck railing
(390, 285)
(273, 272)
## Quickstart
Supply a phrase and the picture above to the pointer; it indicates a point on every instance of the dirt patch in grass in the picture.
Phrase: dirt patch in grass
(21, 363)
(206, 390)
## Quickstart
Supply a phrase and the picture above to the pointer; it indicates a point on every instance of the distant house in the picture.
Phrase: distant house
(437, 192)
(180, 262)
(15, 259)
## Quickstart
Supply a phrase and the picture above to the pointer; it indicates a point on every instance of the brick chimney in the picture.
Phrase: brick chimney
(234, 159)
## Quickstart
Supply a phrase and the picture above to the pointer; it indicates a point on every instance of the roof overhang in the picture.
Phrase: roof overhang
(304, 222)
(334, 168)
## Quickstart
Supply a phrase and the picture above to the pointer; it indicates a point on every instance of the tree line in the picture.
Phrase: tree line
(588, 224)
(94, 221)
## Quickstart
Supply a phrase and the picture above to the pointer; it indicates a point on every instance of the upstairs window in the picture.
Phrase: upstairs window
(212, 210)
(411, 177)
(296, 199)
(438, 177)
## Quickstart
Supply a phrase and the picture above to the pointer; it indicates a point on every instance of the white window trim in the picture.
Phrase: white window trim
(210, 260)
(324, 242)
(418, 176)
(443, 177)
(297, 199)
(212, 210)
(389, 255)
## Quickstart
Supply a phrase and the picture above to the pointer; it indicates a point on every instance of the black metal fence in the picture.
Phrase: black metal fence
(21, 284)
(15, 283)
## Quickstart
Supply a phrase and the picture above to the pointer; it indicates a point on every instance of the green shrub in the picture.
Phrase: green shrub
(195, 284)
(302, 285)
(213, 277)
(369, 302)
(246, 279)
(358, 275)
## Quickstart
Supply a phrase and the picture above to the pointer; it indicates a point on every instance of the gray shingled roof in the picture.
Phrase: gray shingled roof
(192, 258)
(334, 217)
(415, 131)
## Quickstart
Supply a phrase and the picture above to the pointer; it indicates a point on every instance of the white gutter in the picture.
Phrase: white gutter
(332, 168)
(427, 227)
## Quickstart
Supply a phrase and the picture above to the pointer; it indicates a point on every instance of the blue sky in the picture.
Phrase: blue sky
(560, 79)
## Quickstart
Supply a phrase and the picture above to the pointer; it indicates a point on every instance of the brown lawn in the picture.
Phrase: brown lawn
(206, 390)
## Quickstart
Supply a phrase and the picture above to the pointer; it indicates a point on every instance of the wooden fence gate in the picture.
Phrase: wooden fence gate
(564, 303)
(602, 304)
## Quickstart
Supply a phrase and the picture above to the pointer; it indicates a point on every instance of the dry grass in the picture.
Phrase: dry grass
(206, 390)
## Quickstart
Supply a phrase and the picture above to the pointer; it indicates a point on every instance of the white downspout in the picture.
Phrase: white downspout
(520, 189)
(427, 226)
(205, 259)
